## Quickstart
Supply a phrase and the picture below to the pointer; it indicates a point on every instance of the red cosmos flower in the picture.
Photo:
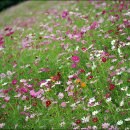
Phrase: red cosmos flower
(34, 104)
(107, 95)
(90, 77)
(84, 49)
(48, 103)
(78, 122)
(9, 33)
(5, 91)
(82, 71)
(111, 87)
(110, 31)
(95, 119)
(8, 28)
(128, 80)
(27, 98)
(14, 81)
(105, 48)
(57, 77)
(104, 12)
(75, 58)
(107, 54)
(104, 59)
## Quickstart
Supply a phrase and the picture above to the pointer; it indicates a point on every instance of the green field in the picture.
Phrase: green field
(65, 65)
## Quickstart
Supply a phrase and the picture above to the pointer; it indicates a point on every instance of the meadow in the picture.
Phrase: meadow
(65, 65)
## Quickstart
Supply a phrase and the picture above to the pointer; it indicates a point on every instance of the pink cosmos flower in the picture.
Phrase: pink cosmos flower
(1, 42)
(75, 59)
(128, 38)
(24, 97)
(33, 93)
(44, 70)
(2, 125)
(74, 65)
(105, 125)
(1, 37)
(94, 25)
(60, 95)
(63, 104)
(2, 75)
(25, 113)
(70, 93)
(7, 99)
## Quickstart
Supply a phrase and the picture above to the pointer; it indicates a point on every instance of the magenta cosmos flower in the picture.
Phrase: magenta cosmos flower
(65, 14)
(14, 81)
(74, 65)
(75, 59)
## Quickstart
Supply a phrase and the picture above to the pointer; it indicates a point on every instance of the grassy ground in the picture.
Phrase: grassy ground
(65, 65)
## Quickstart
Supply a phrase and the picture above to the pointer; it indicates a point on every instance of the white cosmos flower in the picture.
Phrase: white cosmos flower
(120, 122)
(113, 47)
(62, 123)
(94, 66)
(95, 113)
(127, 119)
(69, 82)
(88, 74)
(85, 119)
(42, 84)
(77, 48)
(124, 88)
(113, 42)
(128, 13)
(128, 94)
(92, 100)
(70, 76)
(96, 103)
(119, 51)
(23, 80)
(48, 80)
(128, 43)
(94, 127)
(108, 99)
(122, 103)
(4, 84)
(27, 108)
(73, 105)
(41, 33)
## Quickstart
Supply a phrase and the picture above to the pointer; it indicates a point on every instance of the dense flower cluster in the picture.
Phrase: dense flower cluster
(66, 66)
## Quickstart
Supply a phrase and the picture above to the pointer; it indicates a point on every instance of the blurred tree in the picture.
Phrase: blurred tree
(7, 3)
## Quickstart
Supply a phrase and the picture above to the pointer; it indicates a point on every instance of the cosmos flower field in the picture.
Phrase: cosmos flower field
(65, 65)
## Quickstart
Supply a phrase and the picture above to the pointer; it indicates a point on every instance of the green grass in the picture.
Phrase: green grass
(30, 18)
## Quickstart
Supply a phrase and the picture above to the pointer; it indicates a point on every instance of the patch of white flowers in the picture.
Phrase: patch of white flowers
(120, 122)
